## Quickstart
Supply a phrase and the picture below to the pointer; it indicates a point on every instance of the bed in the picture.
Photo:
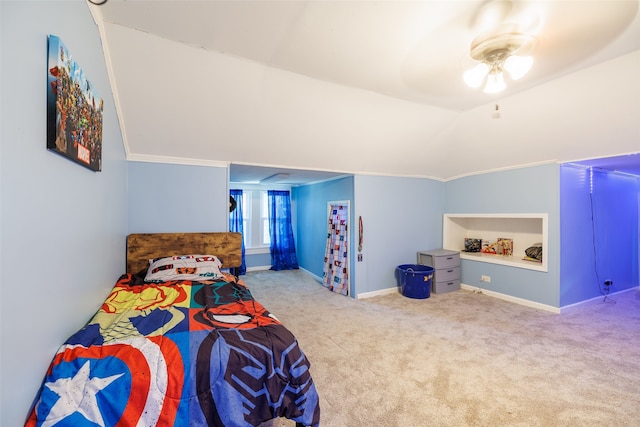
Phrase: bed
(179, 341)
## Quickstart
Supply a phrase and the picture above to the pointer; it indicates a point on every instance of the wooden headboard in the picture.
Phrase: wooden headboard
(143, 247)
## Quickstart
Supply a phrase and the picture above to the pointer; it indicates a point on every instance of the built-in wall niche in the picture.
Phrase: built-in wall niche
(525, 229)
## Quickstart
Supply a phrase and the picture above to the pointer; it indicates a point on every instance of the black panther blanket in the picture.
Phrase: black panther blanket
(178, 353)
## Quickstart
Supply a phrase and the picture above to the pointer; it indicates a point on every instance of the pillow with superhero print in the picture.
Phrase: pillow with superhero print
(183, 267)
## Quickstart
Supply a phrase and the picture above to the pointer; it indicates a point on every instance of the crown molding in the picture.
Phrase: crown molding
(176, 160)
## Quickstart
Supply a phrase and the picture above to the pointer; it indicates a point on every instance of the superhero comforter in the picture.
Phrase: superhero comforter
(178, 353)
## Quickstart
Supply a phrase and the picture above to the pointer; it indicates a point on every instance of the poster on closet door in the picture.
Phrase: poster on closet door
(336, 259)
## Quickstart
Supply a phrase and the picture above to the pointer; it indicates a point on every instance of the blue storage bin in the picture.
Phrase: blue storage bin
(414, 280)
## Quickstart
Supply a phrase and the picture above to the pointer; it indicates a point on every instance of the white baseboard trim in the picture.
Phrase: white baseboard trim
(498, 295)
(320, 279)
(513, 299)
(386, 291)
(533, 304)
(599, 297)
(259, 268)
(464, 286)
(268, 267)
(317, 278)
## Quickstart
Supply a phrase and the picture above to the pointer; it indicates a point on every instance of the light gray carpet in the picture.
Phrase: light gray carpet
(460, 358)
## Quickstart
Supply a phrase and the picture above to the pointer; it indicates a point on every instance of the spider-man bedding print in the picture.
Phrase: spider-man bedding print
(178, 353)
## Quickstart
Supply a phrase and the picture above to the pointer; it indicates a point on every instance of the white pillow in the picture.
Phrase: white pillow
(183, 267)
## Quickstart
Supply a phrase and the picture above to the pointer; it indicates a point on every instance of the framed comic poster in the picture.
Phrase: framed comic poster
(74, 109)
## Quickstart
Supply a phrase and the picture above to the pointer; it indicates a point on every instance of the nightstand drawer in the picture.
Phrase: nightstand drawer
(439, 258)
(446, 274)
(445, 286)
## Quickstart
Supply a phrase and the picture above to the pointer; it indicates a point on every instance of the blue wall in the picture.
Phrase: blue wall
(401, 216)
(311, 220)
(527, 190)
(261, 261)
(177, 198)
(63, 226)
(599, 240)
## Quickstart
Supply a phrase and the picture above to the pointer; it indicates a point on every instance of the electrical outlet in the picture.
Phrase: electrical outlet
(484, 278)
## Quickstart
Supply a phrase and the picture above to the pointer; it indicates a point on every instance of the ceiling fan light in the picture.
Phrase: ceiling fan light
(474, 76)
(495, 83)
(518, 66)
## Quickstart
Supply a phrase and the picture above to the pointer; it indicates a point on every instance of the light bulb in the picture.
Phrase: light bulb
(518, 66)
(475, 75)
(495, 83)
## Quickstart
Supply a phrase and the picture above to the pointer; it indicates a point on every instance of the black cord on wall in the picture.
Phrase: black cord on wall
(606, 290)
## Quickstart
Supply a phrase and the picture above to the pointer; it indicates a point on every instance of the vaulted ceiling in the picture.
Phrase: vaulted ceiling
(369, 86)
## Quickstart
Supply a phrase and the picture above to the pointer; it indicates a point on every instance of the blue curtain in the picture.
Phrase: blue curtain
(235, 224)
(283, 248)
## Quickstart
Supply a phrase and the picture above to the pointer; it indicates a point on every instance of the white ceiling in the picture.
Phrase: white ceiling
(289, 83)
(251, 174)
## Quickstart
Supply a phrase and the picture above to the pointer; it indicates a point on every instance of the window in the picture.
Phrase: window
(255, 219)
(265, 237)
